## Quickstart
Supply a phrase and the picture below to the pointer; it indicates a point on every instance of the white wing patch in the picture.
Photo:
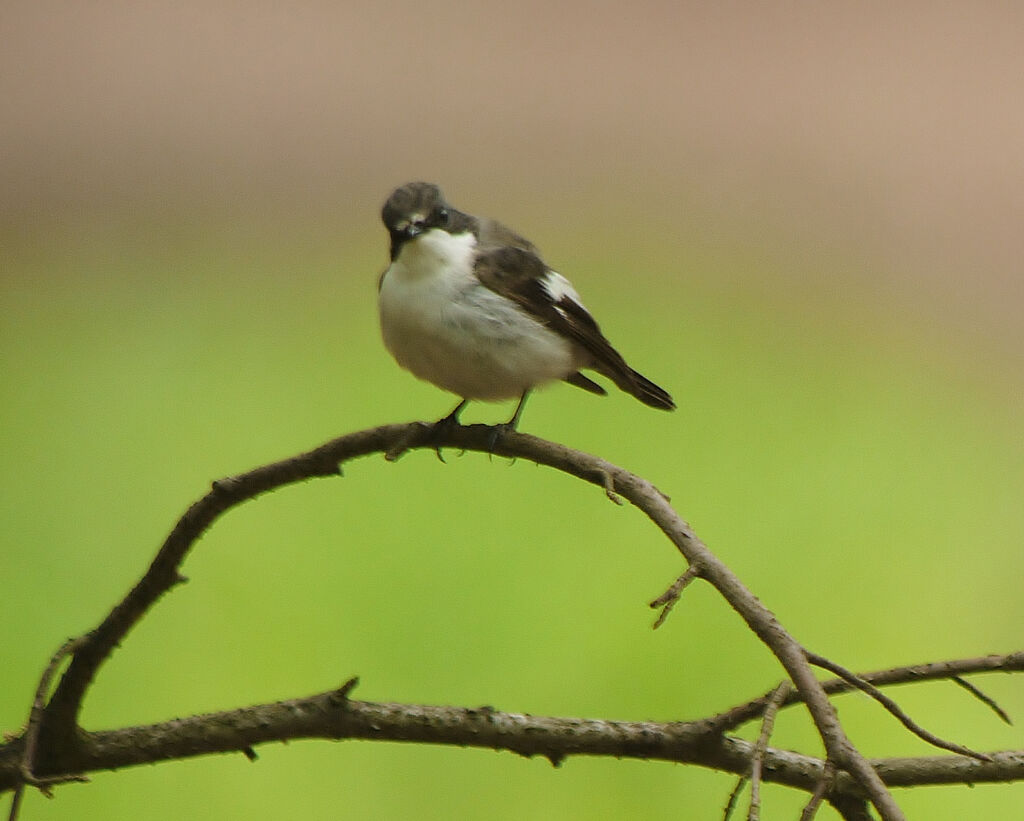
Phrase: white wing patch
(557, 286)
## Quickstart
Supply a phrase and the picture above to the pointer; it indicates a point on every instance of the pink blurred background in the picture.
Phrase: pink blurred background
(890, 137)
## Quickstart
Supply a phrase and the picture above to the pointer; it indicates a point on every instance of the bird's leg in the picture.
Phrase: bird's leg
(507, 427)
(511, 423)
(445, 424)
(453, 417)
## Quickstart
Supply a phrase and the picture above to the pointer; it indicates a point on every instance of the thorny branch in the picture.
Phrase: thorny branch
(54, 748)
(336, 715)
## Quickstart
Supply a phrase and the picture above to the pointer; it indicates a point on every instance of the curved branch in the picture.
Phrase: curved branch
(60, 727)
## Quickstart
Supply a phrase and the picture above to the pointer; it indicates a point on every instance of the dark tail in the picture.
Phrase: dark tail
(580, 381)
(637, 384)
(646, 391)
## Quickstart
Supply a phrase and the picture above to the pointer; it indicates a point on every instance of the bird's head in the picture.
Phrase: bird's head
(412, 209)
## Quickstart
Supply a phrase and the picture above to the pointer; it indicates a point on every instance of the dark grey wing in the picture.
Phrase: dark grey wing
(492, 234)
(519, 274)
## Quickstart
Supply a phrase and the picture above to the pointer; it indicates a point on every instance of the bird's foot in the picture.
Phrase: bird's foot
(444, 426)
(434, 433)
(497, 433)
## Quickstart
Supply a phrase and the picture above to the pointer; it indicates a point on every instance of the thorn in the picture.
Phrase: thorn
(225, 485)
(249, 753)
(340, 696)
(556, 759)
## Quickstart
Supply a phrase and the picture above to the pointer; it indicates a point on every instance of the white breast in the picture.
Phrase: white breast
(443, 325)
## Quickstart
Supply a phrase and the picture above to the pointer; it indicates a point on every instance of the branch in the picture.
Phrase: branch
(335, 715)
(1008, 663)
(62, 714)
(61, 743)
(851, 808)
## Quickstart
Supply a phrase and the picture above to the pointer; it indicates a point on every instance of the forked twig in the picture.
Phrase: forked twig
(667, 600)
(893, 707)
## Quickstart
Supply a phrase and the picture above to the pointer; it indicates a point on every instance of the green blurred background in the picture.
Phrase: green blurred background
(804, 223)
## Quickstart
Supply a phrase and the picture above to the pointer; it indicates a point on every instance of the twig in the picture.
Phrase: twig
(820, 791)
(982, 697)
(757, 756)
(730, 805)
(26, 765)
(753, 709)
(667, 600)
(893, 707)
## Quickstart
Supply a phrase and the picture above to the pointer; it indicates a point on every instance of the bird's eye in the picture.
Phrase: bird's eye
(442, 216)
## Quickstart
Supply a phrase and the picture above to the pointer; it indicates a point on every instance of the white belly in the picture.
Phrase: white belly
(441, 324)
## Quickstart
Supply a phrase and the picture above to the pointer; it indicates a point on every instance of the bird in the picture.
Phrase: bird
(470, 306)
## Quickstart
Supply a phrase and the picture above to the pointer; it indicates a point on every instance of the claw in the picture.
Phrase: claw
(447, 423)
(497, 431)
